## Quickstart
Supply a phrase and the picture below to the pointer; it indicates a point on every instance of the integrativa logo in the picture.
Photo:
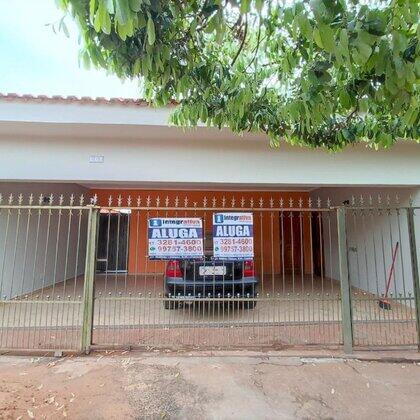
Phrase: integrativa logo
(220, 218)
(178, 222)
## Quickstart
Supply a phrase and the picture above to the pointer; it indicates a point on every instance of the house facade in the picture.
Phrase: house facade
(62, 157)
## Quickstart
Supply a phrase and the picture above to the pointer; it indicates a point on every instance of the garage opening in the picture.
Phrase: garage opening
(217, 303)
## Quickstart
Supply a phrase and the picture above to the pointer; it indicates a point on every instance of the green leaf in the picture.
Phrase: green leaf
(367, 38)
(245, 6)
(86, 60)
(385, 139)
(106, 23)
(204, 113)
(345, 99)
(363, 105)
(97, 22)
(122, 11)
(327, 37)
(136, 66)
(122, 31)
(400, 42)
(92, 9)
(141, 21)
(174, 9)
(151, 36)
(135, 5)
(317, 38)
(305, 26)
(344, 43)
(363, 52)
(390, 83)
(102, 19)
(110, 6)
(417, 67)
(382, 59)
(348, 135)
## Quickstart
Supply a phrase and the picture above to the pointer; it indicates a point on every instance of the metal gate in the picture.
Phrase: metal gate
(42, 272)
(383, 272)
(75, 276)
(295, 302)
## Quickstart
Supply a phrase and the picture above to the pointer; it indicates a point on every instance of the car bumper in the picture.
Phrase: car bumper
(176, 286)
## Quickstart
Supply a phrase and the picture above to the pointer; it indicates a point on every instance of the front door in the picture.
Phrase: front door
(290, 234)
(112, 253)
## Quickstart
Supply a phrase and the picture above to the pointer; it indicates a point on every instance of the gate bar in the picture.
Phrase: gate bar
(346, 315)
(414, 268)
(88, 288)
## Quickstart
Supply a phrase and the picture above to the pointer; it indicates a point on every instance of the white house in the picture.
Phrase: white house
(125, 149)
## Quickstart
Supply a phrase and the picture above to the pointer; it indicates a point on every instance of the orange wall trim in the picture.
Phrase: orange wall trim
(267, 225)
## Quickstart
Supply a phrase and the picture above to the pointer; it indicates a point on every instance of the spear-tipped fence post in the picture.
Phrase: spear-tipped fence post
(89, 278)
(414, 267)
(346, 315)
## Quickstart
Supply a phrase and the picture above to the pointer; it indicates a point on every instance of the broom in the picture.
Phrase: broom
(384, 303)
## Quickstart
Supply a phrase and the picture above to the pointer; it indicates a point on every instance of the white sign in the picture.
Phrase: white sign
(233, 236)
(96, 159)
(175, 238)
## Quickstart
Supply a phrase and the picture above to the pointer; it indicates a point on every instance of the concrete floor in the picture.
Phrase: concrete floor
(115, 284)
(234, 386)
(128, 310)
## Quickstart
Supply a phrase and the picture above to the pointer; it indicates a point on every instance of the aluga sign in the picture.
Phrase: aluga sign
(175, 238)
(233, 236)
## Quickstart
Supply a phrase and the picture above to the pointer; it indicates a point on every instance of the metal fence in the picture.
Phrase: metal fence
(75, 276)
(42, 266)
(383, 272)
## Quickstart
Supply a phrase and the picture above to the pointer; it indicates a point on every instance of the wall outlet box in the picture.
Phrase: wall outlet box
(96, 159)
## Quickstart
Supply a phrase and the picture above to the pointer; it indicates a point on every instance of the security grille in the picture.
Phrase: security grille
(76, 275)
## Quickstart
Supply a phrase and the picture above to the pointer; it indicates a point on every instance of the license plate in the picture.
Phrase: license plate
(219, 270)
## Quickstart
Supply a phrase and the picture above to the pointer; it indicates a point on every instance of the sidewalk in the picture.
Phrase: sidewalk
(228, 385)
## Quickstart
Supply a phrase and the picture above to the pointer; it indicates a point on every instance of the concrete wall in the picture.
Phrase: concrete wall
(40, 248)
(372, 237)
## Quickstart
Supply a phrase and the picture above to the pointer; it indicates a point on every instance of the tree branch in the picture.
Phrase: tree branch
(256, 49)
(242, 43)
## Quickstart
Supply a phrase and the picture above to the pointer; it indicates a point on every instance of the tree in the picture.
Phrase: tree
(321, 73)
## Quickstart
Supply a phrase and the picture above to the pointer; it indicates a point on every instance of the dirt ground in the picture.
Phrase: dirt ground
(131, 385)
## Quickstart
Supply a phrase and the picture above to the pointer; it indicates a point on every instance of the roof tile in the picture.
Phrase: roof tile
(14, 97)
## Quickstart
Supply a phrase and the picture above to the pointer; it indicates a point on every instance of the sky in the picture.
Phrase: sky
(34, 60)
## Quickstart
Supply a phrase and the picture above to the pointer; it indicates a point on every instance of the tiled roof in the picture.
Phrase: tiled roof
(14, 97)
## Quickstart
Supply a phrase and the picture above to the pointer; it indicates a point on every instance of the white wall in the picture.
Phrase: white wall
(372, 236)
(164, 155)
(39, 248)
(86, 113)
